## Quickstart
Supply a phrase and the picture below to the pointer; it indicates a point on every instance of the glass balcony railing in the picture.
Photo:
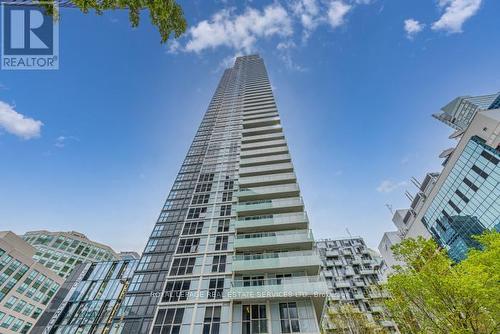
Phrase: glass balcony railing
(293, 287)
(270, 206)
(266, 169)
(308, 261)
(254, 181)
(274, 239)
(258, 161)
(272, 222)
(286, 189)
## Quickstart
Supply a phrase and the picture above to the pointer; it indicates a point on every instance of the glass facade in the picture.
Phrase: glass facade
(468, 201)
(62, 251)
(89, 299)
(26, 287)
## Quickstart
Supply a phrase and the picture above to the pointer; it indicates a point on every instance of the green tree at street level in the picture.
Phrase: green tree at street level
(348, 319)
(432, 294)
(166, 15)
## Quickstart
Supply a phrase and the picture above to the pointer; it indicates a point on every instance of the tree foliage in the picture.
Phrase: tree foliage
(432, 294)
(344, 318)
(166, 15)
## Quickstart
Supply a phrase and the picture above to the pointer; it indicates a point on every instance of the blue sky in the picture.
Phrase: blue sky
(95, 145)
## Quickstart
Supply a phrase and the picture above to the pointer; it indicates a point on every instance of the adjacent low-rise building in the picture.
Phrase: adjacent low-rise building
(26, 287)
(353, 274)
(62, 251)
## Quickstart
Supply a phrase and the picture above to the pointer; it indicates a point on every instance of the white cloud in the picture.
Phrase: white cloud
(239, 32)
(413, 27)
(456, 12)
(62, 141)
(388, 186)
(18, 124)
(308, 13)
(173, 46)
(337, 11)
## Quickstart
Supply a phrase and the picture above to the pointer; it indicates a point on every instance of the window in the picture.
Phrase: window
(10, 302)
(480, 172)
(462, 196)
(188, 245)
(215, 288)
(192, 228)
(206, 177)
(203, 187)
(489, 157)
(196, 213)
(228, 185)
(227, 196)
(289, 318)
(168, 321)
(253, 280)
(225, 210)
(200, 199)
(470, 184)
(182, 266)
(176, 290)
(254, 319)
(211, 321)
(223, 225)
(219, 264)
(221, 242)
(454, 206)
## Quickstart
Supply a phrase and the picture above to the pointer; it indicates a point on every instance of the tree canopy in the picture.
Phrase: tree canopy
(166, 15)
(432, 294)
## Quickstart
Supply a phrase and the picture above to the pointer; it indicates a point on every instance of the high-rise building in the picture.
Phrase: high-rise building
(89, 299)
(407, 222)
(26, 287)
(62, 251)
(466, 198)
(353, 274)
(231, 251)
(463, 200)
(459, 113)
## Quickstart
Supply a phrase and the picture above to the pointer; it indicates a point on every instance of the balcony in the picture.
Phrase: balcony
(268, 192)
(282, 240)
(332, 253)
(260, 115)
(265, 137)
(267, 180)
(313, 287)
(263, 144)
(261, 130)
(272, 159)
(270, 206)
(275, 222)
(367, 271)
(342, 284)
(261, 122)
(260, 111)
(264, 152)
(376, 309)
(387, 323)
(358, 296)
(307, 261)
(359, 284)
(284, 167)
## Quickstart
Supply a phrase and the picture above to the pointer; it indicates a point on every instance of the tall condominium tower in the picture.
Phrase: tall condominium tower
(231, 251)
